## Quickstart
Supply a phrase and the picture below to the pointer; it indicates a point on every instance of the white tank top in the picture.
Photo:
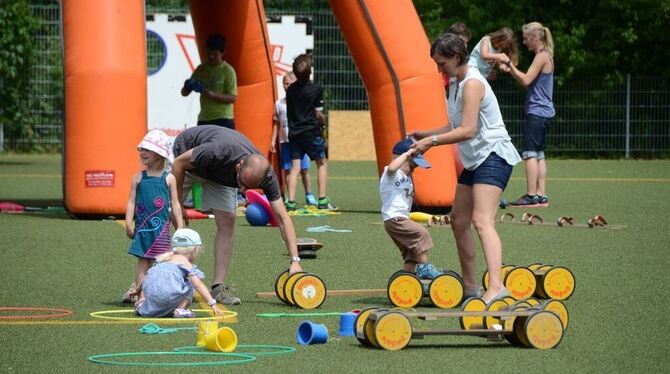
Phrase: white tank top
(491, 135)
(397, 194)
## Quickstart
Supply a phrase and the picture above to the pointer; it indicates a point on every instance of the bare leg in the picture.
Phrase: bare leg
(306, 183)
(461, 217)
(293, 179)
(283, 183)
(322, 178)
(531, 176)
(184, 304)
(141, 269)
(485, 197)
(541, 177)
(223, 244)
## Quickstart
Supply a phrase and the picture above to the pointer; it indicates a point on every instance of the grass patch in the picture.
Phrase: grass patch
(617, 312)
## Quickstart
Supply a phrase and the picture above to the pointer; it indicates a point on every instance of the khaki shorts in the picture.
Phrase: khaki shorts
(411, 238)
(214, 195)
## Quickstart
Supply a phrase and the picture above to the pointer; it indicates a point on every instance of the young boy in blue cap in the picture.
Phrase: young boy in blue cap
(396, 189)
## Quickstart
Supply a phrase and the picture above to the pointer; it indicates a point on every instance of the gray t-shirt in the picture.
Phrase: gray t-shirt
(216, 151)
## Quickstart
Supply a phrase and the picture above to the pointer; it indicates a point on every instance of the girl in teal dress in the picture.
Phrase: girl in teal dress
(152, 198)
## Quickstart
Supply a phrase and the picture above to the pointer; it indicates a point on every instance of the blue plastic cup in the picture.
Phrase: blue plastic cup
(347, 321)
(311, 333)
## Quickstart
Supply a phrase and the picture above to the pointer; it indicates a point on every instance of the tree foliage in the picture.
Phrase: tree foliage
(17, 54)
(605, 37)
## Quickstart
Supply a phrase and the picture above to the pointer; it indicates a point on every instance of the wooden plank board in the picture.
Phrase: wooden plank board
(358, 292)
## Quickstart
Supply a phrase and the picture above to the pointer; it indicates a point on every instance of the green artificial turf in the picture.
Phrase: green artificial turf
(618, 319)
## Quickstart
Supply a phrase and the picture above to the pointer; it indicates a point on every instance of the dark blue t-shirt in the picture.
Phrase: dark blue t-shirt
(216, 152)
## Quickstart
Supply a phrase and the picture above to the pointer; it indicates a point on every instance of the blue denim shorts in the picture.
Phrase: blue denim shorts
(494, 171)
(534, 132)
(285, 158)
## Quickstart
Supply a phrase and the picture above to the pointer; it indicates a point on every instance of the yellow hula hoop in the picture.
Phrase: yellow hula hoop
(111, 314)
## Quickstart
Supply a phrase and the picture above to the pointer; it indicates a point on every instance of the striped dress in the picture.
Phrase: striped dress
(152, 217)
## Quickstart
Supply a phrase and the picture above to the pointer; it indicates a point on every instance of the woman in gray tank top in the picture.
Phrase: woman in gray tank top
(539, 110)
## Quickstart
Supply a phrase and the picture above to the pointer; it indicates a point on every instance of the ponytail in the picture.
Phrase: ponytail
(549, 40)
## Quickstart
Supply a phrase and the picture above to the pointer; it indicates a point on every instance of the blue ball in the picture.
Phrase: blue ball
(256, 215)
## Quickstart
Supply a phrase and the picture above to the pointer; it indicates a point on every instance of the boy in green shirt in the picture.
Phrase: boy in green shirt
(216, 82)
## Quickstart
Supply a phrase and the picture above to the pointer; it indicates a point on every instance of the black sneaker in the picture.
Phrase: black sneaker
(542, 201)
(525, 201)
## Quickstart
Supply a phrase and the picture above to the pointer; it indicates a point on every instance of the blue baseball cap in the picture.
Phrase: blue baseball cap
(403, 146)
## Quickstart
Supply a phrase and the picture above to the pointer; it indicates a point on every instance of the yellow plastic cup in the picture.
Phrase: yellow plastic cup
(204, 329)
(224, 340)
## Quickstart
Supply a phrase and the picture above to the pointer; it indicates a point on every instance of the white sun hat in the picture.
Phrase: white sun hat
(159, 142)
(186, 238)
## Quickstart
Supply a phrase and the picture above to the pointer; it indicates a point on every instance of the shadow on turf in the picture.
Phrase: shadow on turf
(484, 345)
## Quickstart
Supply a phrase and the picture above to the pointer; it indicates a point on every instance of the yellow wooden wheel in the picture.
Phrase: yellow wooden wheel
(558, 307)
(446, 291)
(535, 266)
(359, 324)
(369, 328)
(520, 281)
(508, 327)
(543, 330)
(395, 275)
(494, 306)
(405, 291)
(288, 286)
(474, 304)
(503, 272)
(518, 329)
(558, 283)
(279, 286)
(532, 301)
(509, 299)
(393, 331)
(308, 292)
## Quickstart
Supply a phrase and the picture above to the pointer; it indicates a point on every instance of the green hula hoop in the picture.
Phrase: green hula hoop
(271, 350)
(241, 359)
(111, 314)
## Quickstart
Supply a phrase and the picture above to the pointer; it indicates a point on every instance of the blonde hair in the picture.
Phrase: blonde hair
(191, 252)
(506, 42)
(542, 32)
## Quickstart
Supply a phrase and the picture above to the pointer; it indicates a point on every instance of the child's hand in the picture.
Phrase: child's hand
(273, 149)
(216, 310)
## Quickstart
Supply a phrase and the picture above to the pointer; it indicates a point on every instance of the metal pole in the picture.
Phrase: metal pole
(627, 115)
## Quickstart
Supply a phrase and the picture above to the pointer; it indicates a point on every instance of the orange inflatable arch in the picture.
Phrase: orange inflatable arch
(106, 88)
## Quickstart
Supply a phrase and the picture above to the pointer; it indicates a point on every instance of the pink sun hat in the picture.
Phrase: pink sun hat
(159, 142)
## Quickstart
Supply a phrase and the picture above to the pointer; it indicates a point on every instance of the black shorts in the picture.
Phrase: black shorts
(310, 143)
(223, 122)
